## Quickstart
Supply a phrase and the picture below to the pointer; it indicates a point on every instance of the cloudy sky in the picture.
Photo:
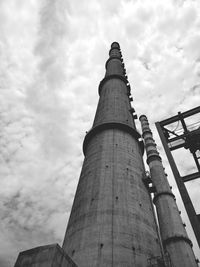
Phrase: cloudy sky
(52, 60)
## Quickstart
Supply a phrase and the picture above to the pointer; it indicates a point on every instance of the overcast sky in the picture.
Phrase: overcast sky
(53, 54)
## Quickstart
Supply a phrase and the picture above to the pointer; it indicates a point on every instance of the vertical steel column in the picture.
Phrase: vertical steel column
(173, 233)
(196, 161)
(181, 186)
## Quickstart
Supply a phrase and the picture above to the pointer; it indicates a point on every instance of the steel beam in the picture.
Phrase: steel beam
(180, 184)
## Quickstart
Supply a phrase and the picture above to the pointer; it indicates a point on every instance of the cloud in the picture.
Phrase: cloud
(53, 55)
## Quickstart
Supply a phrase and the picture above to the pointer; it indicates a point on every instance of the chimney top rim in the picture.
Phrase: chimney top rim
(115, 44)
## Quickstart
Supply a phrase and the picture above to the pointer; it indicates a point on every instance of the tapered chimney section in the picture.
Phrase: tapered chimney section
(112, 221)
(174, 237)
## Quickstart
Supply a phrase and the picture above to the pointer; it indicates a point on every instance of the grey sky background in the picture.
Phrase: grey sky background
(53, 54)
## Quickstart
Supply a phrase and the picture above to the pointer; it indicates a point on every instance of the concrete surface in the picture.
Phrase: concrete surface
(112, 221)
(44, 256)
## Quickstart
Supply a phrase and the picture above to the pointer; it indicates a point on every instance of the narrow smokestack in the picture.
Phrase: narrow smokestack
(174, 237)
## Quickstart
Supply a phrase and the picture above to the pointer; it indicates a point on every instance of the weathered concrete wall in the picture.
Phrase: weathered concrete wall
(44, 256)
(114, 68)
(114, 105)
(112, 221)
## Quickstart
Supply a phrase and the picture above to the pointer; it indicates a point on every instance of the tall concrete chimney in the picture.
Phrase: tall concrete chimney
(174, 237)
(112, 222)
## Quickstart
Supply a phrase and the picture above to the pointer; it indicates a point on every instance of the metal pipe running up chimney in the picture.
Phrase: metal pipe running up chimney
(174, 237)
